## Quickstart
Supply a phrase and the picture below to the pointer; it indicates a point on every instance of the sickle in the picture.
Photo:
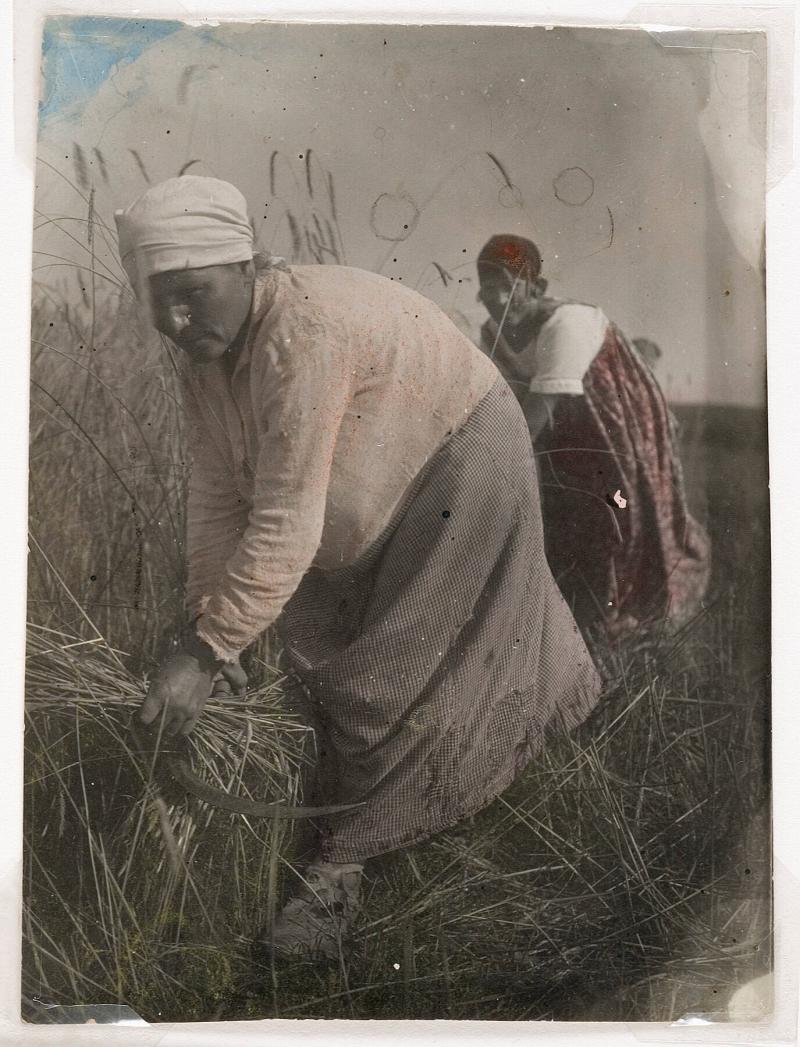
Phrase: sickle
(179, 769)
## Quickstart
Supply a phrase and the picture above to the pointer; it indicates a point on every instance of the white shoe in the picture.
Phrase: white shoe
(315, 922)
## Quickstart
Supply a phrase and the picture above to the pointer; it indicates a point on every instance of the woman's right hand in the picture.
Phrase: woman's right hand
(178, 693)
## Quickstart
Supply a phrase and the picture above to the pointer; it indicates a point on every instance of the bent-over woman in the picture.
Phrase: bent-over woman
(363, 477)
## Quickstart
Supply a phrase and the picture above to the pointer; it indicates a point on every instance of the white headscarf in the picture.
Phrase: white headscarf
(184, 223)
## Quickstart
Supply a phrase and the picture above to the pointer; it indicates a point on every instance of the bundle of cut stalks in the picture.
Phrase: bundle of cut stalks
(245, 742)
(139, 874)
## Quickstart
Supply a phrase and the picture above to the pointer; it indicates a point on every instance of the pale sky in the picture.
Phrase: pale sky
(636, 167)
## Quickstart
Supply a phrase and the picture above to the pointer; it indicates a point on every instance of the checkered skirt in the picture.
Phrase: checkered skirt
(441, 658)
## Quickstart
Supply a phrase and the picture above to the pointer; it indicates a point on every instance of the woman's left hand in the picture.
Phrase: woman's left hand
(235, 676)
(179, 693)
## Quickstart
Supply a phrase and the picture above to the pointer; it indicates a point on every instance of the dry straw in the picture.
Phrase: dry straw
(625, 875)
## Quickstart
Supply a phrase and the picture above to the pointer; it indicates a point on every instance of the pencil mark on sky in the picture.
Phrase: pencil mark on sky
(183, 83)
(509, 195)
(140, 165)
(500, 168)
(394, 216)
(605, 247)
(573, 186)
(443, 273)
(187, 77)
(101, 160)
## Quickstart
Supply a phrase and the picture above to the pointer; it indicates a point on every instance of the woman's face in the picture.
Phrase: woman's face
(506, 297)
(202, 310)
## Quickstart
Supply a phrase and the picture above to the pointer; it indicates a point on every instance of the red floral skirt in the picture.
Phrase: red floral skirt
(619, 537)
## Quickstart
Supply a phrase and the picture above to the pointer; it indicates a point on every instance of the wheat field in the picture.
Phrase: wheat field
(626, 875)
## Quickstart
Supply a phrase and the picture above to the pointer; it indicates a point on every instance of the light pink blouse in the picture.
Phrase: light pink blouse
(346, 386)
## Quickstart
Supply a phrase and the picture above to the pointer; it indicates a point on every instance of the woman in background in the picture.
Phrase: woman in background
(619, 537)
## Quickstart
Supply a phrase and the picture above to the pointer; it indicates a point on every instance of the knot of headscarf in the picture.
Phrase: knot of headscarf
(188, 222)
(516, 254)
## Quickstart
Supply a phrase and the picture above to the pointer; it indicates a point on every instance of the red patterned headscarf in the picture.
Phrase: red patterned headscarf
(516, 254)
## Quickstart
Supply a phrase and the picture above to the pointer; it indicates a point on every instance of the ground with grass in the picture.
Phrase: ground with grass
(626, 874)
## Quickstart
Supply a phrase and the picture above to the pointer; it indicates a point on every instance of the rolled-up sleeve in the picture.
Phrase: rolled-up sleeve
(301, 386)
(216, 514)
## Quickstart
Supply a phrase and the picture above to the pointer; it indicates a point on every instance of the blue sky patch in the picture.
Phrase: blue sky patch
(79, 54)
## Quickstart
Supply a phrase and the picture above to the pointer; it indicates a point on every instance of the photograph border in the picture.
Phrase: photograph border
(784, 435)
